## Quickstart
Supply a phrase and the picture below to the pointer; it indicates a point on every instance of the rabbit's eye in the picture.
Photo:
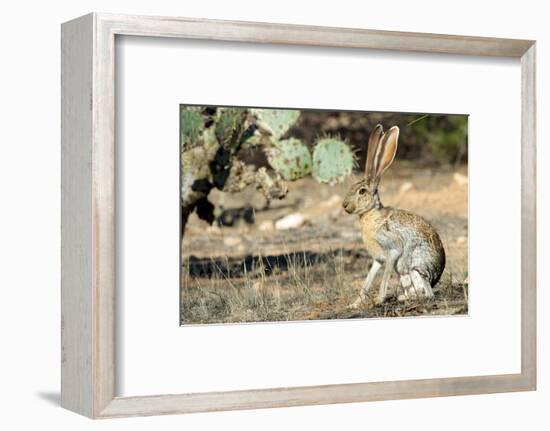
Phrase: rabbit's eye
(362, 191)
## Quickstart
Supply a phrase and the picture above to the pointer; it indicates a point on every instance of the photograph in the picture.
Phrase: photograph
(298, 214)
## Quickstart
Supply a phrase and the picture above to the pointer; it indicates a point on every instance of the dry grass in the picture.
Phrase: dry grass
(244, 273)
(303, 288)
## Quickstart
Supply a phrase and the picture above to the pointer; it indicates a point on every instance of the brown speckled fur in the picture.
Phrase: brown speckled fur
(403, 239)
(385, 228)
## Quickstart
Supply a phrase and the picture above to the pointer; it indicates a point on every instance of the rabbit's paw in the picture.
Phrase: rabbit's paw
(379, 300)
(402, 298)
(360, 302)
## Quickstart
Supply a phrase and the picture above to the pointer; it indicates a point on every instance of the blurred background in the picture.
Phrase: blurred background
(426, 139)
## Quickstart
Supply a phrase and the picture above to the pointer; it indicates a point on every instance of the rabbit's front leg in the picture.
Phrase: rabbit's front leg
(367, 284)
(370, 276)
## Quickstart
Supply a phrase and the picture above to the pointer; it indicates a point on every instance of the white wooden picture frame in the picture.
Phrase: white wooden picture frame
(88, 215)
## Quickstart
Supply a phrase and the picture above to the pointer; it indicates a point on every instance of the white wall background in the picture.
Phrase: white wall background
(29, 217)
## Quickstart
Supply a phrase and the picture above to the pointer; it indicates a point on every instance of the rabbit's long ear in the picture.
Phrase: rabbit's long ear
(374, 140)
(386, 151)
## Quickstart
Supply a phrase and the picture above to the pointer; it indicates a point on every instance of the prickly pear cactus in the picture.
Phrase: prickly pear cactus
(211, 142)
(191, 127)
(277, 121)
(229, 127)
(332, 161)
(291, 158)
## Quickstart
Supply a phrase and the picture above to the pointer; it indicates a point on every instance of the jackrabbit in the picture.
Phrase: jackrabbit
(398, 239)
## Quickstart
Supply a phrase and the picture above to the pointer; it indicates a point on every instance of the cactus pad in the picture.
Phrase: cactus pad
(291, 158)
(332, 161)
(229, 127)
(278, 120)
(191, 127)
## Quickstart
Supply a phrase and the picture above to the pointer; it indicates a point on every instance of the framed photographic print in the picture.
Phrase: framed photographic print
(264, 215)
(268, 240)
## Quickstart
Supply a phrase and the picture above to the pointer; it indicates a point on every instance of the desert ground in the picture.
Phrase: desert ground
(302, 258)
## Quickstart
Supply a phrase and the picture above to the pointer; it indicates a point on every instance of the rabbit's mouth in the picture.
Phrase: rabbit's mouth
(353, 208)
(349, 207)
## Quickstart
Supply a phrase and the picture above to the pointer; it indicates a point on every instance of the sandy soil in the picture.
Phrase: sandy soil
(251, 269)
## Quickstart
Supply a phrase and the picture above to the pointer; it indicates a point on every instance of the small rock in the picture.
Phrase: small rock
(231, 241)
(461, 180)
(332, 201)
(405, 187)
(290, 221)
(461, 240)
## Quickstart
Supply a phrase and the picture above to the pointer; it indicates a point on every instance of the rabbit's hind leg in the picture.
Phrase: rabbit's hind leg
(421, 284)
(406, 285)
(409, 289)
